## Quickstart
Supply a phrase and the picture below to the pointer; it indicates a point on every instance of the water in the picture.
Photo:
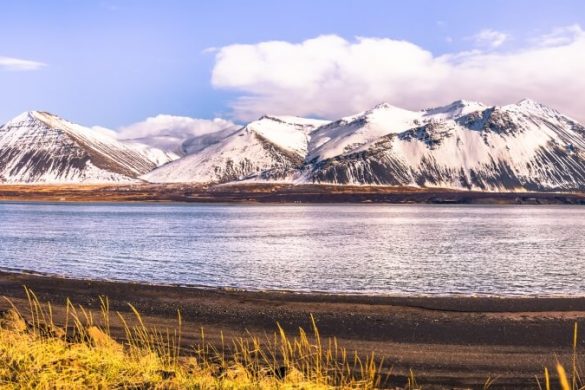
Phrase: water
(375, 249)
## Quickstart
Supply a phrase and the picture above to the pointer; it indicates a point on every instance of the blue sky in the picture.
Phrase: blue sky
(116, 62)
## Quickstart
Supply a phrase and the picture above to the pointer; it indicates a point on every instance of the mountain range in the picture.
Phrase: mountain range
(464, 145)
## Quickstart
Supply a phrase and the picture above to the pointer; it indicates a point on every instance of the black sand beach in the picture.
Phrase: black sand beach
(447, 341)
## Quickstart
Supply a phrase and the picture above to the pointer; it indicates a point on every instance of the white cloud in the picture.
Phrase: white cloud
(168, 131)
(17, 64)
(329, 76)
(560, 36)
(181, 126)
(490, 38)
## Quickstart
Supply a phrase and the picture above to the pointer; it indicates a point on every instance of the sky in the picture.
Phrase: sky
(136, 66)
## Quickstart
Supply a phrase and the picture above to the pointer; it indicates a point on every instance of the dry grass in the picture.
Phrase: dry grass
(571, 380)
(36, 353)
(81, 353)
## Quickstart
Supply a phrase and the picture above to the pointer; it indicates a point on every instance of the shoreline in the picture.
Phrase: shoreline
(274, 193)
(447, 341)
(354, 295)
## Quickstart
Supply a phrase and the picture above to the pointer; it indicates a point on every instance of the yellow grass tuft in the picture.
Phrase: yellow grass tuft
(566, 381)
(81, 353)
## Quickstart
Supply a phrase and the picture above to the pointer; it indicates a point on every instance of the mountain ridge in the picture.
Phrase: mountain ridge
(464, 145)
(498, 148)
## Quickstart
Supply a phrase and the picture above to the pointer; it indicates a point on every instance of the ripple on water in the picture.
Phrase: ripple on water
(375, 249)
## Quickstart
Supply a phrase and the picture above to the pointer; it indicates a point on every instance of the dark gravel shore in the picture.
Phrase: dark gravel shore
(447, 341)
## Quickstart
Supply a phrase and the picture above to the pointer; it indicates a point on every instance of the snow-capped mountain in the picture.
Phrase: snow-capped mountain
(38, 147)
(464, 145)
(270, 143)
(523, 146)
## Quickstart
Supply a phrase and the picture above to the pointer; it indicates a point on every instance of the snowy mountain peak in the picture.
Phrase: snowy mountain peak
(286, 132)
(43, 118)
(528, 106)
(384, 106)
(527, 102)
(379, 110)
(39, 147)
(38, 119)
(25, 117)
(382, 109)
(454, 110)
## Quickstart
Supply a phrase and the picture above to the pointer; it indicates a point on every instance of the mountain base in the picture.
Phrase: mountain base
(274, 193)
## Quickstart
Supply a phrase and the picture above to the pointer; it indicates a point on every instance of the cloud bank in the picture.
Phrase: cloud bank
(329, 76)
(17, 64)
(168, 132)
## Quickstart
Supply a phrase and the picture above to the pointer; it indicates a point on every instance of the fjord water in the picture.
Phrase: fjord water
(376, 249)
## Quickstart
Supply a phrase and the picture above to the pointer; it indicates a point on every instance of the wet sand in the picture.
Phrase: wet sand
(448, 341)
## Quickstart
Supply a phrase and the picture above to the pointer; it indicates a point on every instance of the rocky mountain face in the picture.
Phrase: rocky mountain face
(38, 147)
(518, 147)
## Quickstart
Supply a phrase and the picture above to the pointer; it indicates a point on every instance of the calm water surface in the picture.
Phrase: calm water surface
(382, 249)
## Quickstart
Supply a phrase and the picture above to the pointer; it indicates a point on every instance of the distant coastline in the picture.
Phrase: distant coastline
(274, 193)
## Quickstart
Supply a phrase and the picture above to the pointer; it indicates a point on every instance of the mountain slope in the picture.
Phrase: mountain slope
(349, 133)
(37, 147)
(523, 146)
(278, 144)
